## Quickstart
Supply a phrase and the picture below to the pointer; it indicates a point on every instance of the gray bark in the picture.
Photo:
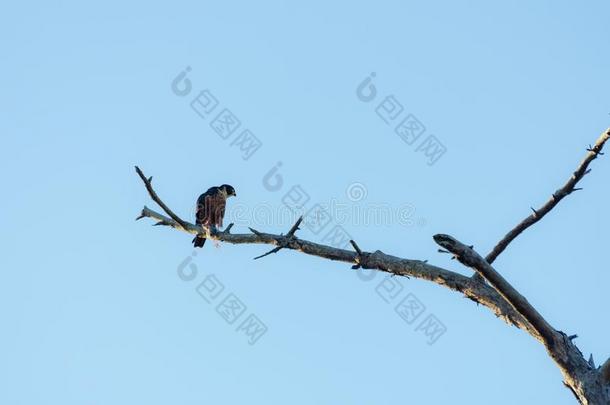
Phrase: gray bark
(590, 385)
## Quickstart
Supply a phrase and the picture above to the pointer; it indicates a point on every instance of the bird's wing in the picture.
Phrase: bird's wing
(202, 213)
(221, 212)
(216, 206)
(199, 213)
(200, 210)
(208, 210)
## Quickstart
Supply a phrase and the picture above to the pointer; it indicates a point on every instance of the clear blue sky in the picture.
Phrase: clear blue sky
(93, 310)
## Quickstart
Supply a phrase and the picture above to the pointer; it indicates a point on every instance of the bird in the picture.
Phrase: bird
(211, 209)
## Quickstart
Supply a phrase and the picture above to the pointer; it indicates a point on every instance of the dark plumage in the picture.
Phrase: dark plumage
(211, 209)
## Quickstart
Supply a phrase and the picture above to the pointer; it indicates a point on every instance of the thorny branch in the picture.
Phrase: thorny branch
(477, 292)
(155, 198)
(567, 189)
(589, 384)
(284, 241)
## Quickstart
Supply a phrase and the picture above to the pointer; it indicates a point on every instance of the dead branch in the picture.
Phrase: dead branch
(284, 241)
(470, 258)
(477, 292)
(567, 189)
(589, 385)
(155, 198)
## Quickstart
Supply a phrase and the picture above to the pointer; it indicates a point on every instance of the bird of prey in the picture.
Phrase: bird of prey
(211, 209)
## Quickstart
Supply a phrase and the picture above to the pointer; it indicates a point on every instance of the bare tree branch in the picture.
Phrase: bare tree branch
(477, 292)
(577, 374)
(588, 384)
(580, 375)
(568, 188)
(284, 241)
(470, 258)
(155, 198)
(359, 255)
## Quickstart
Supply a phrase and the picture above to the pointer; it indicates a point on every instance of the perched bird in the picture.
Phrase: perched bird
(211, 209)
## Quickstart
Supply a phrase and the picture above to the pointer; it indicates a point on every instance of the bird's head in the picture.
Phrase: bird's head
(228, 190)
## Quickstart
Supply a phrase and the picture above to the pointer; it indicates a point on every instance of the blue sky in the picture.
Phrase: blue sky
(94, 311)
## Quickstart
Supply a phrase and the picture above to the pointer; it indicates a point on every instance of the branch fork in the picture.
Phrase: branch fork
(568, 188)
(284, 241)
(589, 385)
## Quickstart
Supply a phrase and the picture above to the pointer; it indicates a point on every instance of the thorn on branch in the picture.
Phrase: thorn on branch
(591, 362)
(228, 228)
(254, 231)
(535, 212)
(557, 196)
(356, 247)
(596, 149)
(283, 242)
(141, 216)
(446, 251)
(274, 250)
(295, 227)
(572, 337)
(358, 255)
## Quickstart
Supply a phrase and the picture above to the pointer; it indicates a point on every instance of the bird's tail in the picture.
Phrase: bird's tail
(198, 242)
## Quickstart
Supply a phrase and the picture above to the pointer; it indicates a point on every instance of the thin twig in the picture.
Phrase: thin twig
(274, 250)
(483, 293)
(155, 198)
(358, 256)
(295, 227)
(569, 187)
(356, 247)
(254, 231)
(284, 240)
